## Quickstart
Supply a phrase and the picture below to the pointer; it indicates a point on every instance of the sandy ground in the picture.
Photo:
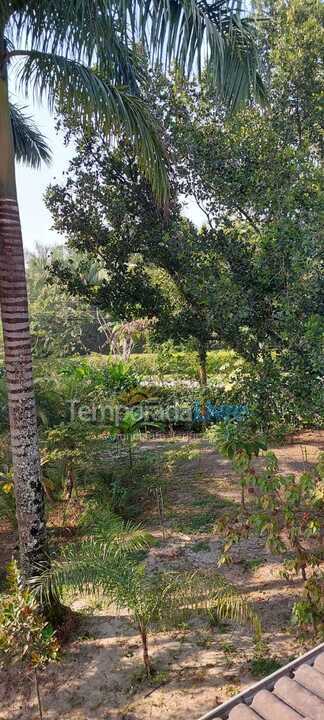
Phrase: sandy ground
(99, 675)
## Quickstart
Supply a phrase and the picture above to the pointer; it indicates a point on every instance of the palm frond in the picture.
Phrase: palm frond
(197, 33)
(189, 33)
(209, 593)
(91, 31)
(104, 525)
(93, 100)
(103, 561)
(87, 569)
(29, 143)
(237, 76)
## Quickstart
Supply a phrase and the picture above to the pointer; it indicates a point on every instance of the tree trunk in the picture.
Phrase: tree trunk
(145, 654)
(17, 348)
(39, 703)
(70, 483)
(202, 353)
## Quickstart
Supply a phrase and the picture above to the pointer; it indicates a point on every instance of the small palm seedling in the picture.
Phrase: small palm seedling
(25, 637)
(165, 599)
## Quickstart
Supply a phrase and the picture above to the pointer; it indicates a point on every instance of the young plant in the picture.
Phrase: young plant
(240, 445)
(164, 599)
(309, 609)
(25, 637)
(287, 511)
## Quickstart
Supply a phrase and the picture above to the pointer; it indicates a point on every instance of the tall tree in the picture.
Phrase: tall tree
(261, 193)
(155, 266)
(56, 43)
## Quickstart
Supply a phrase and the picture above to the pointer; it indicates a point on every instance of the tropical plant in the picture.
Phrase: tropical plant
(240, 444)
(60, 325)
(287, 511)
(25, 636)
(120, 377)
(102, 524)
(54, 46)
(128, 428)
(150, 599)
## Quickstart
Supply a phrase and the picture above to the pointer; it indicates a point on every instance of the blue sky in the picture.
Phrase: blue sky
(31, 184)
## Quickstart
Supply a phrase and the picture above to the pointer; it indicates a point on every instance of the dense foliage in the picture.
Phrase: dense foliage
(251, 278)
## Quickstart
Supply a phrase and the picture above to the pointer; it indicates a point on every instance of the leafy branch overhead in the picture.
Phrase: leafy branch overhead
(91, 58)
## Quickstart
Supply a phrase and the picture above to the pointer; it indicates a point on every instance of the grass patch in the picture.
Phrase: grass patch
(252, 564)
(217, 501)
(200, 546)
(193, 524)
(193, 521)
(228, 648)
(262, 666)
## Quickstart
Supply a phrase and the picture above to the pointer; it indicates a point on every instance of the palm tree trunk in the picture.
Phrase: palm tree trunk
(17, 348)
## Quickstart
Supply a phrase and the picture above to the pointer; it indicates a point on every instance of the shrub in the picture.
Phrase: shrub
(240, 445)
(286, 510)
(25, 636)
(69, 451)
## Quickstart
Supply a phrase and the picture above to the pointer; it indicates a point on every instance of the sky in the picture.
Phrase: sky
(31, 184)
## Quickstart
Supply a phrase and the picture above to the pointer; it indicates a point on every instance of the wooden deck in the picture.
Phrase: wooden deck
(295, 692)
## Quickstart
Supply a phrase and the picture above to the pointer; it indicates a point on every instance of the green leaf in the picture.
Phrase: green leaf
(64, 82)
(29, 143)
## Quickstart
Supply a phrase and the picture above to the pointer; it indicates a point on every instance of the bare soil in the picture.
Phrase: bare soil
(99, 675)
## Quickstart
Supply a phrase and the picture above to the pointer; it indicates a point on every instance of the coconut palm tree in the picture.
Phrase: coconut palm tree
(84, 54)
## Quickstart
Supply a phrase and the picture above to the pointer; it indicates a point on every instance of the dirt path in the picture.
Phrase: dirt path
(199, 666)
